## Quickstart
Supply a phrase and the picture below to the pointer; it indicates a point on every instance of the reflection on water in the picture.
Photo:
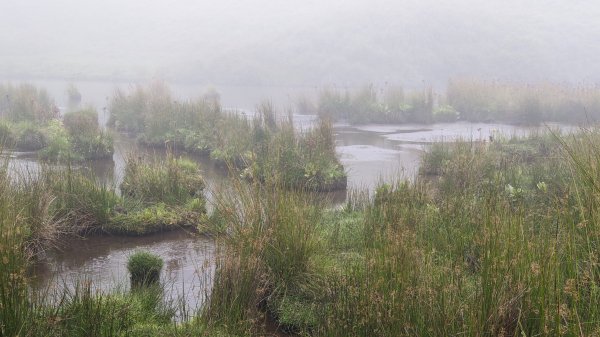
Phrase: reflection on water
(368, 157)
(187, 274)
(372, 153)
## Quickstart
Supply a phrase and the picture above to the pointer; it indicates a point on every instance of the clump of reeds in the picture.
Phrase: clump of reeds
(173, 180)
(478, 100)
(85, 135)
(369, 105)
(26, 103)
(268, 258)
(144, 268)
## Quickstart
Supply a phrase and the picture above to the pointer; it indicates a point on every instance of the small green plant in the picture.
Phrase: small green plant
(144, 268)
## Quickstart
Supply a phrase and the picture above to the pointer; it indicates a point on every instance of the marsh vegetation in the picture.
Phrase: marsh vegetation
(31, 121)
(267, 145)
(464, 99)
(311, 168)
(488, 239)
(491, 239)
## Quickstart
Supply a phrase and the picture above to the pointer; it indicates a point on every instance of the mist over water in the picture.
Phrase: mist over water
(308, 43)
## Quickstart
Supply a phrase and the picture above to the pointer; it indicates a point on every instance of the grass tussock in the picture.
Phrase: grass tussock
(144, 268)
(159, 195)
(173, 180)
(268, 258)
(57, 202)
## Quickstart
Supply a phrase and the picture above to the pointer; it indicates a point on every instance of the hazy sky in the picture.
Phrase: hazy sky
(306, 42)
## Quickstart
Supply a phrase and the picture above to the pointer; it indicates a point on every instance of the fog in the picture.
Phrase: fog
(300, 43)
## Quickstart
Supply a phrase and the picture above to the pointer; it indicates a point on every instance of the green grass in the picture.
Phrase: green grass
(491, 239)
(87, 140)
(267, 258)
(172, 181)
(495, 239)
(156, 218)
(57, 201)
(42, 209)
(261, 148)
(144, 268)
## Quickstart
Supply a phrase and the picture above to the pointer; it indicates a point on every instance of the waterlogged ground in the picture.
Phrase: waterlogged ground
(369, 153)
(372, 153)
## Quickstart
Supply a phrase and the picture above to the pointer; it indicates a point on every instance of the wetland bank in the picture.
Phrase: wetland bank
(489, 230)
